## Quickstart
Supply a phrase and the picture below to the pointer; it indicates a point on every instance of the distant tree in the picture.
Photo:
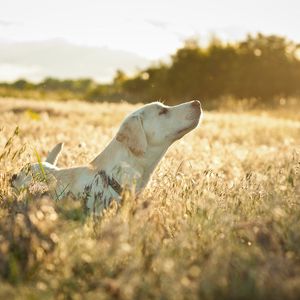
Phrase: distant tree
(49, 84)
(22, 84)
(82, 85)
(265, 67)
(199, 72)
(261, 66)
(148, 84)
(99, 92)
(119, 78)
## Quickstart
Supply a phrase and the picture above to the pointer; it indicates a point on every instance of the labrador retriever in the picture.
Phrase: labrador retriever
(127, 161)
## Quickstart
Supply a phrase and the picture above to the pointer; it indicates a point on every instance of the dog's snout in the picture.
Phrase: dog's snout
(194, 110)
(196, 104)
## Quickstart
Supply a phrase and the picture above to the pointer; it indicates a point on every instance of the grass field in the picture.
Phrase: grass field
(220, 219)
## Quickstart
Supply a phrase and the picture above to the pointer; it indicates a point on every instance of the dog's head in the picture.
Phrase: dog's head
(158, 125)
(35, 171)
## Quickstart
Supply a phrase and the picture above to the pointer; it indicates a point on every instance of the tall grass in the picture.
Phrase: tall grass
(220, 219)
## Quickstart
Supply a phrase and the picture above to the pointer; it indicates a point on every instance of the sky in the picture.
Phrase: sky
(153, 29)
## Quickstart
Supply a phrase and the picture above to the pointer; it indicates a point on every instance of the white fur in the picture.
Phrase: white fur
(129, 159)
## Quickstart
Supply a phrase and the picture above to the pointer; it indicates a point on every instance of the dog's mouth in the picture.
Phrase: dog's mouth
(184, 130)
(180, 133)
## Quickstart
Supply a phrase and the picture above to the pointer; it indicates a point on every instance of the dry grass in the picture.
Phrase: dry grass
(220, 219)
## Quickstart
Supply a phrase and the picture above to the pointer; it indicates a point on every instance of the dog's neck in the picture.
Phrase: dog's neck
(149, 161)
(117, 159)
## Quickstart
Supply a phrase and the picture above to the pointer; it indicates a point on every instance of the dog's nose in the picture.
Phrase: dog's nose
(196, 104)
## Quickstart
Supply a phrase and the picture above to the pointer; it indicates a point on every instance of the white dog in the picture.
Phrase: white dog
(127, 161)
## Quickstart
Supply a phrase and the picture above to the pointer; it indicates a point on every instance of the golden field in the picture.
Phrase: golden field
(220, 219)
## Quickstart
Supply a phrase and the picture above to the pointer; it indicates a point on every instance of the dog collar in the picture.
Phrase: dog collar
(110, 181)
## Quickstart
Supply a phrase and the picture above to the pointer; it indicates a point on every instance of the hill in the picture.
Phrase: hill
(60, 59)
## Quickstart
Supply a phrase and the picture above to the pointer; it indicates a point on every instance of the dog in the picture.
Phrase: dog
(127, 161)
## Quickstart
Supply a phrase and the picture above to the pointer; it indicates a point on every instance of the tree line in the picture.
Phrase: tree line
(261, 67)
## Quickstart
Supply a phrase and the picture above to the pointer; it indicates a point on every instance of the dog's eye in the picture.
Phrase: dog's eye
(163, 111)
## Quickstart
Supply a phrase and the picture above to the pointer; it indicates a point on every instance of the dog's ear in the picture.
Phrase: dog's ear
(54, 153)
(132, 135)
